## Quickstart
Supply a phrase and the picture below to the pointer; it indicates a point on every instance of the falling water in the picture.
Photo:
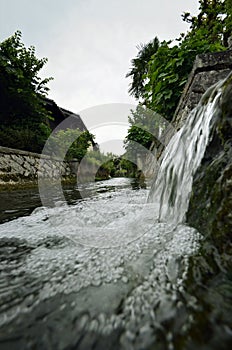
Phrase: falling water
(181, 158)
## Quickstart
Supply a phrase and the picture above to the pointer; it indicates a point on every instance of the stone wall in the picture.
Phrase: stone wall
(21, 167)
(207, 70)
(211, 198)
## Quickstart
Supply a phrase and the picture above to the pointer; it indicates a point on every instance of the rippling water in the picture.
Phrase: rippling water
(73, 276)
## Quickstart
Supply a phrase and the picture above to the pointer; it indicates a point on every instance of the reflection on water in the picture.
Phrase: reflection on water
(17, 203)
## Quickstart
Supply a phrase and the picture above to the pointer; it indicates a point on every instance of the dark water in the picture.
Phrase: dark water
(17, 203)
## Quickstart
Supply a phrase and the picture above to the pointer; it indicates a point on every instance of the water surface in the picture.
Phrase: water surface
(73, 276)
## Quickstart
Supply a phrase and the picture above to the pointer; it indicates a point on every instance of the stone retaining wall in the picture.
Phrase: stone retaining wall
(21, 167)
(207, 70)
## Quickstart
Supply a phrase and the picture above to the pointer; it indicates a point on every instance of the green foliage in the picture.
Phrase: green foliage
(139, 135)
(21, 93)
(110, 165)
(163, 76)
(108, 168)
(160, 70)
(140, 67)
(169, 69)
(70, 143)
(118, 167)
(23, 138)
(104, 163)
(214, 18)
(144, 124)
(98, 158)
(126, 168)
(171, 64)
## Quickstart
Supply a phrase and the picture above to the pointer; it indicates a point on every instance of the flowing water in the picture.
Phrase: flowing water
(58, 251)
(109, 271)
(182, 157)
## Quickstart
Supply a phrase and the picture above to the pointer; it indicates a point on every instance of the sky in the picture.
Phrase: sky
(89, 45)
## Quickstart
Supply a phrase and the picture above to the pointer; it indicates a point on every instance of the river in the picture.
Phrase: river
(100, 267)
(110, 265)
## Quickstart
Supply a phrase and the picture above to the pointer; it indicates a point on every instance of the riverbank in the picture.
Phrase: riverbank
(20, 169)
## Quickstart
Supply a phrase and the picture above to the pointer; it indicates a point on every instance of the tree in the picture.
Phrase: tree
(165, 74)
(169, 70)
(158, 82)
(70, 143)
(214, 19)
(140, 67)
(141, 134)
(23, 117)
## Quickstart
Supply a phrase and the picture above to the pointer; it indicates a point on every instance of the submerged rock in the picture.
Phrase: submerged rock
(210, 207)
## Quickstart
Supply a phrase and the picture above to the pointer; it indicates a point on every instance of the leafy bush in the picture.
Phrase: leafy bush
(24, 138)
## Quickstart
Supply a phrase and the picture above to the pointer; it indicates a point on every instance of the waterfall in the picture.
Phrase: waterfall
(172, 186)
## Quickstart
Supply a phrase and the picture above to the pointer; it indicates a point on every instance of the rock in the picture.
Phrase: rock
(211, 199)
(207, 70)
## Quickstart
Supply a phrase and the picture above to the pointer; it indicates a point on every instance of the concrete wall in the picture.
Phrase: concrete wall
(21, 167)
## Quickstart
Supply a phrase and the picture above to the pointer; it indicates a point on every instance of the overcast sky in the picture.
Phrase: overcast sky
(89, 43)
